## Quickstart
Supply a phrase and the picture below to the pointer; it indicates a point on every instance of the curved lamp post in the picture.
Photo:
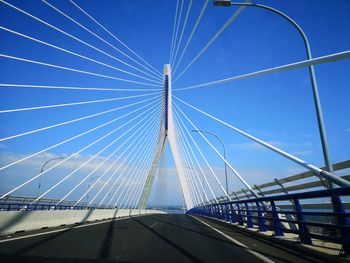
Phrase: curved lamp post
(223, 146)
(42, 169)
(316, 98)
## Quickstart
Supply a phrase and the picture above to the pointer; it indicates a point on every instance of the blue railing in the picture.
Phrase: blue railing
(32, 207)
(332, 225)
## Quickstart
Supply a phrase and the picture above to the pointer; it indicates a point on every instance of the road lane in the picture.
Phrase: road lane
(151, 238)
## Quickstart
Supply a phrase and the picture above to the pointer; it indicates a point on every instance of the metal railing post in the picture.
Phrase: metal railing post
(276, 221)
(221, 212)
(232, 214)
(261, 219)
(304, 235)
(248, 214)
(240, 218)
(342, 220)
(227, 213)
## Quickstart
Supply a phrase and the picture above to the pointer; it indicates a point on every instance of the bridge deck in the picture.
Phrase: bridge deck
(152, 238)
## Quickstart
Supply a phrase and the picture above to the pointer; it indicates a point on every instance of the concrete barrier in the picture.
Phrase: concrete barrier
(15, 221)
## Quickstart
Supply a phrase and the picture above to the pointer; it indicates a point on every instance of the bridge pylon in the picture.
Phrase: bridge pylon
(167, 132)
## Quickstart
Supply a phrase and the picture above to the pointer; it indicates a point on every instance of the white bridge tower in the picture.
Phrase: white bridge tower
(167, 132)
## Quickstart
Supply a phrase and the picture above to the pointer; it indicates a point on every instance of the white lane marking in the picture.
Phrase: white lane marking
(63, 229)
(258, 255)
(153, 225)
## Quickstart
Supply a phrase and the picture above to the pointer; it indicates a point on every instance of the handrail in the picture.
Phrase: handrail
(9, 206)
(338, 166)
(266, 214)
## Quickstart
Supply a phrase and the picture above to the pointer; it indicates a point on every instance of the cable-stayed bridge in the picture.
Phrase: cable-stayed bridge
(86, 125)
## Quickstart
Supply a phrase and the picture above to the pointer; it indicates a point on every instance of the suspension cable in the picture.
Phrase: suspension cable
(61, 31)
(221, 30)
(200, 152)
(174, 26)
(125, 178)
(77, 70)
(129, 164)
(136, 198)
(74, 53)
(121, 164)
(77, 103)
(176, 32)
(141, 177)
(185, 142)
(291, 66)
(325, 174)
(182, 31)
(73, 88)
(193, 188)
(193, 185)
(100, 38)
(72, 121)
(190, 165)
(107, 158)
(221, 157)
(117, 159)
(211, 169)
(81, 166)
(191, 35)
(112, 35)
(179, 121)
(49, 169)
(77, 136)
(137, 182)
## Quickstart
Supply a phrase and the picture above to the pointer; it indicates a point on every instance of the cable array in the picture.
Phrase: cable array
(113, 139)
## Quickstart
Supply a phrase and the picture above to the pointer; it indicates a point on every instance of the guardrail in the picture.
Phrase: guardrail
(299, 181)
(31, 207)
(16, 203)
(265, 213)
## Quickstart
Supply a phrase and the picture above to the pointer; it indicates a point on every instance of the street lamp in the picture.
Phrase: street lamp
(223, 146)
(42, 169)
(194, 168)
(316, 98)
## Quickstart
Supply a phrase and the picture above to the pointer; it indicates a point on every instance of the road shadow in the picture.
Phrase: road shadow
(224, 227)
(210, 234)
(192, 222)
(51, 237)
(22, 215)
(187, 254)
(107, 244)
(4, 258)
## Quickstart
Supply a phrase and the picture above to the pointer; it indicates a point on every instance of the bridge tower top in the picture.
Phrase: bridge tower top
(167, 87)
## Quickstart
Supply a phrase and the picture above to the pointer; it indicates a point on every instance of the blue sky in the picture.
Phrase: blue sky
(277, 108)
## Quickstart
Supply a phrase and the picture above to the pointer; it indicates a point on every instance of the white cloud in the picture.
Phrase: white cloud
(36, 162)
(3, 147)
(253, 146)
(23, 171)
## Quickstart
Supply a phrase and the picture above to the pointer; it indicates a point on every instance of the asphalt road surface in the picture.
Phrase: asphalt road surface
(151, 238)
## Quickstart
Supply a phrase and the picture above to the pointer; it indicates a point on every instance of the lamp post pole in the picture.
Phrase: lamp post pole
(42, 169)
(224, 148)
(88, 187)
(321, 126)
